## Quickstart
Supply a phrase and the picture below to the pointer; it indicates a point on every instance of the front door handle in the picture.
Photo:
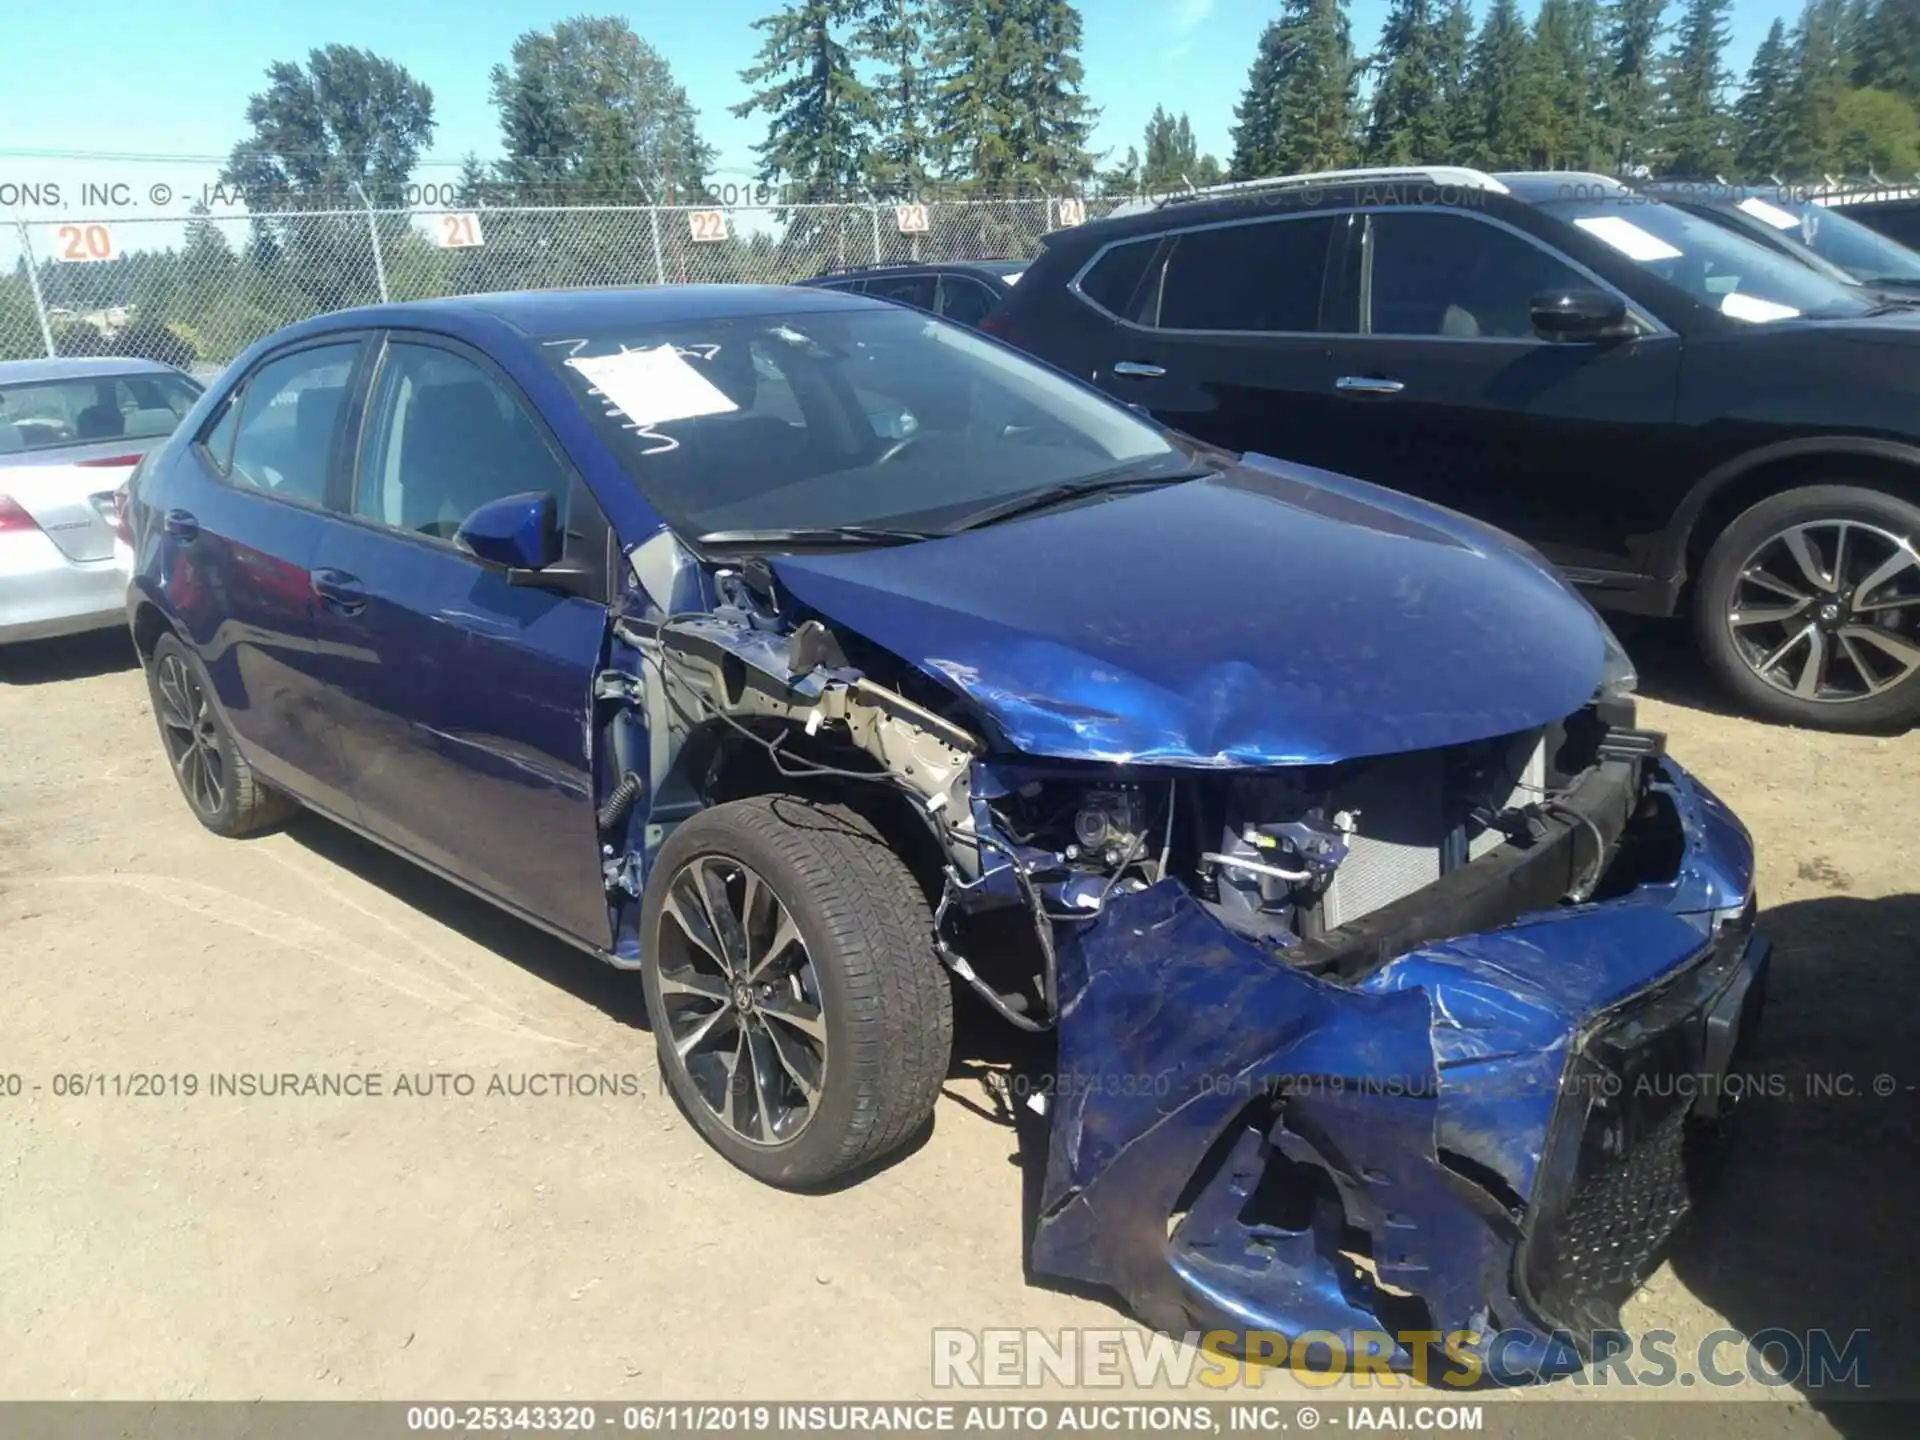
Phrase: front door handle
(1368, 385)
(181, 523)
(1139, 370)
(339, 592)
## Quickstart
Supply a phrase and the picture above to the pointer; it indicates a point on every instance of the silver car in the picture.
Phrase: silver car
(71, 432)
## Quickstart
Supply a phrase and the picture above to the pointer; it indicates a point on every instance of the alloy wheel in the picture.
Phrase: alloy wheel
(192, 737)
(742, 1000)
(1829, 611)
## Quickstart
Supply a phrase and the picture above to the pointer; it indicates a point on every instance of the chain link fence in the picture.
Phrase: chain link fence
(196, 291)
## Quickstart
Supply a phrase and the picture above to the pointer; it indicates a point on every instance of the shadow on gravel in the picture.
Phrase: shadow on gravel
(1811, 1224)
(73, 657)
(1670, 666)
(616, 992)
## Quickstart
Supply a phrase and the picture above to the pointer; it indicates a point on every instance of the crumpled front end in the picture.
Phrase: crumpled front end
(1484, 1134)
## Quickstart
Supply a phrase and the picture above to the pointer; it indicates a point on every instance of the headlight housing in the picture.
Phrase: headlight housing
(1618, 679)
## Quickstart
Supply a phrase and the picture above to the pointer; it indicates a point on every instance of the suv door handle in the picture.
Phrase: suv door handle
(181, 523)
(339, 592)
(1368, 385)
(1139, 370)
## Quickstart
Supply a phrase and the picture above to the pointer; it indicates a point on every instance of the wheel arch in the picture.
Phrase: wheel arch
(149, 623)
(1729, 489)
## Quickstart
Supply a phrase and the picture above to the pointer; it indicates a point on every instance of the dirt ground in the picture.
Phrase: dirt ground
(202, 1246)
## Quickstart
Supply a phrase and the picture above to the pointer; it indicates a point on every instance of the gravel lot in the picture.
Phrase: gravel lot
(471, 1246)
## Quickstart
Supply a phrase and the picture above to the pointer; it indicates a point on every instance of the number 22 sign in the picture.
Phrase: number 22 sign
(457, 232)
(84, 243)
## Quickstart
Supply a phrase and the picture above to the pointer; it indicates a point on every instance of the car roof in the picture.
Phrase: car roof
(1535, 187)
(549, 312)
(78, 367)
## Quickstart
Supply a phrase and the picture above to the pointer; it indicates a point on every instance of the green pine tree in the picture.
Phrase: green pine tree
(1298, 111)
(1008, 106)
(1631, 88)
(1889, 49)
(820, 115)
(1453, 70)
(1407, 121)
(1822, 68)
(1760, 114)
(1173, 159)
(1506, 92)
(1562, 108)
(1695, 140)
(895, 39)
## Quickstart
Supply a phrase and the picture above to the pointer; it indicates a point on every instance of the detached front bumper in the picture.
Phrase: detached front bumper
(1481, 1135)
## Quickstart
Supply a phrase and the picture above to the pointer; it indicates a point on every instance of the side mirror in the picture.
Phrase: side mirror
(522, 536)
(521, 532)
(1579, 315)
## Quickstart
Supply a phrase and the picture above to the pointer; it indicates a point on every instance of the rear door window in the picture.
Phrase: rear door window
(1268, 276)
(1115, 278)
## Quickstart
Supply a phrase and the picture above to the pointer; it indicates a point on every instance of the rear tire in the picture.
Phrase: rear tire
(803, 1019)
(1803, 608)
(218, 784)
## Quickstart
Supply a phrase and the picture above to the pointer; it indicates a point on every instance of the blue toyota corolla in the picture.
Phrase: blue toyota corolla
(813, 657)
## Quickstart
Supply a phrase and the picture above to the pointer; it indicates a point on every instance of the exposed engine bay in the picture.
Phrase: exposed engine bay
(1322, 865)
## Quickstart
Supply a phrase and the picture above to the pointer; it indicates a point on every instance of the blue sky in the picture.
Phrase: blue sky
(173, 79)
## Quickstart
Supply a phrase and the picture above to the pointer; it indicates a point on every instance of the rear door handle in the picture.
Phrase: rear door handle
(339, 592)
(181, 523)
(1139, 370)
(1368, 385)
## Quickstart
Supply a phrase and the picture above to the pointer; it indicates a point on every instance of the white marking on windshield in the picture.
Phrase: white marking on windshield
(1772, 214)
(1628, 238)
(652, 387)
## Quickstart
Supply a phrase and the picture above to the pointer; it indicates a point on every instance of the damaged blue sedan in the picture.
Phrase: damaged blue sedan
(817, 659)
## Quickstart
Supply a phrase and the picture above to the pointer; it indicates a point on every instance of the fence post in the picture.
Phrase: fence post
(876, 234)
(373, 239)
(659, 256)
(39, 301)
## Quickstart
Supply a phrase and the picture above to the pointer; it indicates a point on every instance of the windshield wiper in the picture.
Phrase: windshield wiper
(1033, 501)
(818, 535)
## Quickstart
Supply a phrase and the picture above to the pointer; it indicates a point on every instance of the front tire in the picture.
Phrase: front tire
(218, 784)
(803, 1020)
(1808, 608)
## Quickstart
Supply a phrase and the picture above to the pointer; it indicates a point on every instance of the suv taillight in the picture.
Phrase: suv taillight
(12, 517)
(109, 462)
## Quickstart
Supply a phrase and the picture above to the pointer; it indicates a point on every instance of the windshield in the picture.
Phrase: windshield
(1740, 278)
(1863, 253)
(92, 410)
(843, 418)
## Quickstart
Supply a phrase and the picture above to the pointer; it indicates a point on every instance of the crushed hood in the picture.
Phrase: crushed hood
(1272, 615)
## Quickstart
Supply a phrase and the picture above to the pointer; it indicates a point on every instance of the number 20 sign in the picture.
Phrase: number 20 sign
(457, 232)
(84, 243)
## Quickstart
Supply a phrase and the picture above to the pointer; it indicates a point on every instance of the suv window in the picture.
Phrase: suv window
(444, 438)
(964, 301)
(1115, 278)
(287, 416)
(1266, 276)
(915, 290)
(1453, 275)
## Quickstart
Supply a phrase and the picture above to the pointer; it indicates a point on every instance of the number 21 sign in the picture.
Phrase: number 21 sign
(457, 232)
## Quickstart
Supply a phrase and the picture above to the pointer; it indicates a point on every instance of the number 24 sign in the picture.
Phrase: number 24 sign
(84, 243)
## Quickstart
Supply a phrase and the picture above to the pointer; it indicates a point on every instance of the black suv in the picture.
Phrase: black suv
(964, 291)
(1678, 416)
